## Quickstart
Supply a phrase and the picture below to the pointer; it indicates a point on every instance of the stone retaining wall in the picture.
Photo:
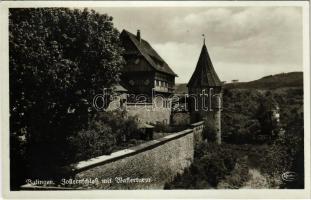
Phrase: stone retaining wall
(146, 166)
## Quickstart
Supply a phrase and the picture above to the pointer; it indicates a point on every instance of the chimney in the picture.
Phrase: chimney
(138, 36)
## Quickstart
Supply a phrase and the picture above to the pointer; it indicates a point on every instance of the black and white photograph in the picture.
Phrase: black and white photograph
(156, 96)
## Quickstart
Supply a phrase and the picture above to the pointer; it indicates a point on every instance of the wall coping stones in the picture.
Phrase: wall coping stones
(83, 165)
(197, 124)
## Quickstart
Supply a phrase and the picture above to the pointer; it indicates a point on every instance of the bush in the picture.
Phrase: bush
(209, 131)
(237, 177)
(106, 132)
(211, 164)
(165, 128)
(124, 127)
(274, 160)
(92, 143)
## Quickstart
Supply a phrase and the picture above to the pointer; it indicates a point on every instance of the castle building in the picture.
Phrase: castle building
(148, 79)
(205, 94)
(145, 71)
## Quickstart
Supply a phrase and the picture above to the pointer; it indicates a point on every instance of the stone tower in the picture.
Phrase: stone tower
(205, 94)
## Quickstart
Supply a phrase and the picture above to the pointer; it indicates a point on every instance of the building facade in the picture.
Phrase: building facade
(145, 71)
(149, 80)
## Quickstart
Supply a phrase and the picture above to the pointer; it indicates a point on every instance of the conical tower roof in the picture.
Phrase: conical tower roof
(204, 74)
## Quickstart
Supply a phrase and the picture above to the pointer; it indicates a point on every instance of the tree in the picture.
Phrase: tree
(209, 131)
(265, 115)
(211, 164)
(59, 60)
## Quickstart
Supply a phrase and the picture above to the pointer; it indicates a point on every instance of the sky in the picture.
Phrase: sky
(244, 43)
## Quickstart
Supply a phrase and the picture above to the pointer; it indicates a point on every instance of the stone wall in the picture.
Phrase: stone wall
(149, 114)
(151, 164)
(146, 112)
(146, 166)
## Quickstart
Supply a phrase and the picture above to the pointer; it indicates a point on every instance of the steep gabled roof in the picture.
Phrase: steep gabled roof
(204, 74)
(149, 54)
(118, 88)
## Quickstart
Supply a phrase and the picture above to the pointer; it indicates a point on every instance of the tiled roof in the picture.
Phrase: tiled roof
(204, 74)
(149, 54)
(118, 88)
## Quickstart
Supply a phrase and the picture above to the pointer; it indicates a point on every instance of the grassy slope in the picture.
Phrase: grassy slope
(291, 79)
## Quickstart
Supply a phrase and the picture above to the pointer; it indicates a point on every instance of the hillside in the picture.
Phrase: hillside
(181, 88)
(291, 79)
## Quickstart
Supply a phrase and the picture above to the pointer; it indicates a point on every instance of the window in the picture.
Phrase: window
(146, 82)
(137, 61)
(131, 82)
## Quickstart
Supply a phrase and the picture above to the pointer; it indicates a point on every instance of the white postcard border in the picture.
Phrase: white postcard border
(242, 193)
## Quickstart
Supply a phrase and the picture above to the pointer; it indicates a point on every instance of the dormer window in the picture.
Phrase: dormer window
(137, 61)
